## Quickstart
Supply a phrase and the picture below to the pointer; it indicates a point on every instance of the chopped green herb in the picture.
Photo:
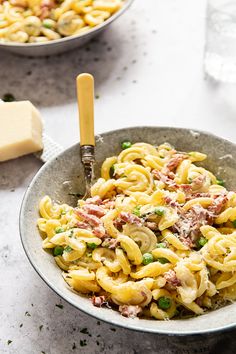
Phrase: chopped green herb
(97, 97)
(161, 245)
(220, 182)
(147, 258)
(40, 327)
(74, 346)
(92, 245)
(59, 229)
(71, 233)
(163, 260)
(164, 303)
(63, 212)
(27, 314)
(89, 255)
(83, 343)
(68, 249)
(234, 223)
(9, 341)
(60, 306)
(136, 210)
(47, 23)
(21, 325)
(8, 97)
(112, 171)
(159, 211)
(126, 145)
(58, 250)
(84, 330)
(201, 241)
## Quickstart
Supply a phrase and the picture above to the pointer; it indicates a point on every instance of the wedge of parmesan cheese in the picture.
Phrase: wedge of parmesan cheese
(20, 130)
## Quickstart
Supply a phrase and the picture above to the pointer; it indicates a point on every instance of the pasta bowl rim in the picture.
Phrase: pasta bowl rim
(88, 33)
(112, 318)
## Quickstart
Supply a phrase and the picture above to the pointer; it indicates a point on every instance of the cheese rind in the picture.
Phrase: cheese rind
(20, 130)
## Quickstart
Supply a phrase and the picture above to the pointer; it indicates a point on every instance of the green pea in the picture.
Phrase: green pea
(159, 211)
(161, 245)
(164, 303)
(112, 171)
(201, 241)
(59, 229)
(136, 210)
(68, 249)
(220, 182)
(92, 245)
(57, 251)
(126, 145)
(163, 260)
(147, 258)
(234, 223)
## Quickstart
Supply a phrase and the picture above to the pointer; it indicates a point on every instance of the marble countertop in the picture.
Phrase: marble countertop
(148, 71)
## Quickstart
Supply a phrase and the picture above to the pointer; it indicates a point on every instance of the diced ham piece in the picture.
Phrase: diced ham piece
(174, 162)
(172, 279)
(94, 210)
(130, 310)
(108, 204)
(48, 3)
(99, 301)
(198, 182)
(165, 179)
(99, 231)
(94, 200)
(218, 204)
(171, 202)
(110, 242)
(151, 225)
(189, 223)
(82, 225)
(198, 195)
(91, 219)
(130, 218)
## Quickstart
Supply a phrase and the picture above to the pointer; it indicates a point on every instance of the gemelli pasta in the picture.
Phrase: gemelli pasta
(33, 21)
(156, 239)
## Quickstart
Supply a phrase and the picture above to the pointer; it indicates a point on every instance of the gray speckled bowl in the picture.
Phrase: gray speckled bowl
(64, 44)
(67, 167)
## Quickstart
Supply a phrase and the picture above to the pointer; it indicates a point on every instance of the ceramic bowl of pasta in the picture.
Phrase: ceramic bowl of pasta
(154, 246)
(45, 27)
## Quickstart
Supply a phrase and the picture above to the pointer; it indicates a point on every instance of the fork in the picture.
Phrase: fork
(85, 97)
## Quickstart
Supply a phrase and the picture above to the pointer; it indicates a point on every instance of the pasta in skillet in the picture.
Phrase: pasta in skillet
(156, 239)
(34, 21)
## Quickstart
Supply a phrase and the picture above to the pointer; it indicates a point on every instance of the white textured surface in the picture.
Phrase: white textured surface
(148, 71)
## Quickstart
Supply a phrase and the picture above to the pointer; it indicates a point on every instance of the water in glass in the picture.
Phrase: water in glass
(220, 51)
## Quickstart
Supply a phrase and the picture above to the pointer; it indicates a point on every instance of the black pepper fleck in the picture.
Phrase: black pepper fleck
(60, 306)
(83, 343)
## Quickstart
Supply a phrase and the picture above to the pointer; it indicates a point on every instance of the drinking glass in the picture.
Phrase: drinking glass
(220, 46)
